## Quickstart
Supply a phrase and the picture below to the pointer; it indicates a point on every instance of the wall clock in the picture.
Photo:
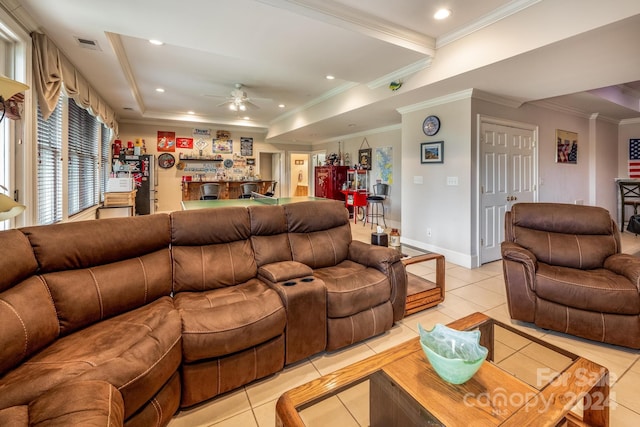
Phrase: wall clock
(166, 160)
(431, 125)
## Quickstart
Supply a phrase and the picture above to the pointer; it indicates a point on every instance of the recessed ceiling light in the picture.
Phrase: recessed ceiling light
(191, 112)
(330, 77)
(281, 105)
(156, 42)
(159, 89)
(442, 14)
(247, 118)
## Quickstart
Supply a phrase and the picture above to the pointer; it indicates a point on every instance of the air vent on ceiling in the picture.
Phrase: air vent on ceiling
(87, 44)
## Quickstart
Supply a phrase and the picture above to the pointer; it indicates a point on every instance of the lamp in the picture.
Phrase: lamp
(9, 207)
(8, 88)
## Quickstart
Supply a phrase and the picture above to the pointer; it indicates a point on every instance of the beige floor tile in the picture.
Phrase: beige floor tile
(219, 409)
(331, 361)
(330, 412)
(467, 275)
(450, 282)
(479, 295)
(501, 313)
(273, 387)
(501, 351)
(546, 356)
(627, 390)
(526, 369)
(396, 335)
(427, 318)
(636, 366)
(456, 307)
(621, 416)
(356, 400)
(421, 269)
(245, 419)
(494, 284)
(266, 414)
(492, 268)
(510, 339)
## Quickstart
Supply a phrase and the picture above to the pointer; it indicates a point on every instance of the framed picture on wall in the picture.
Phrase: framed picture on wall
(432, 152)
(364, 158)
(566, 147)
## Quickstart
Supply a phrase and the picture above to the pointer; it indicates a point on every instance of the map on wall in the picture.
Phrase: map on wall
(384, 165)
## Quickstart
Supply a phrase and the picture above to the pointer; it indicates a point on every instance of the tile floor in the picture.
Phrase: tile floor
(468, 291)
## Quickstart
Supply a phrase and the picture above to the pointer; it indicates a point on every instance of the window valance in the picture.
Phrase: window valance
(52, 71)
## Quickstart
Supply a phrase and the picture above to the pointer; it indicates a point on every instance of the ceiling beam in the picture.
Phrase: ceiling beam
(334, 13)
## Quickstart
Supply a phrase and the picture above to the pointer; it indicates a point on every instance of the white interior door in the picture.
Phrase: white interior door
(507, 176)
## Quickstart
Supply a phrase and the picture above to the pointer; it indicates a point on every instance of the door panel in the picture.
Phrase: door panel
(507, 173)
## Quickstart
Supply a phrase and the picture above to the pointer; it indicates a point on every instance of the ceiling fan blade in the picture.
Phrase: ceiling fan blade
(251, 104)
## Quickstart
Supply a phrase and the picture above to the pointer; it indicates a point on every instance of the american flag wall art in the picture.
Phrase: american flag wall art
(634, 158)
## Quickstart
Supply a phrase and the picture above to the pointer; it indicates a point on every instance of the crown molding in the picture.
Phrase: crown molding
(332, 12)
(161, 119)
(634, 121)
(550, 105)
(485, 21)
(400, 73)
(452, 97)
(496, 99)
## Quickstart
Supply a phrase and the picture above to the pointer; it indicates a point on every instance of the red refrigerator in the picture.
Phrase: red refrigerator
(329, 181)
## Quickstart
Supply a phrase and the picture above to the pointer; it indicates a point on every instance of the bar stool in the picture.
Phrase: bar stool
(272, 190)
(375, 204)
(247, 189)
(209, 191)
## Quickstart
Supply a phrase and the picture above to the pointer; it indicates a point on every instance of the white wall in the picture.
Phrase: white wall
(450, 212)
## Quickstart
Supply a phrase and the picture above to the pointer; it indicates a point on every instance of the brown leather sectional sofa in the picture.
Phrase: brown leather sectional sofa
(124, 321)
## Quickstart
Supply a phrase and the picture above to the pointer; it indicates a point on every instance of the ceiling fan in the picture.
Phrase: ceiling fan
(238, 100)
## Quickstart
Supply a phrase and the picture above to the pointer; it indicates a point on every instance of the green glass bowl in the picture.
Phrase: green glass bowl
(455, 355)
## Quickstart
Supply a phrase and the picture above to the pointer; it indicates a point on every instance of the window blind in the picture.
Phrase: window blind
(105, 165)
(83, 159)
(49, 167)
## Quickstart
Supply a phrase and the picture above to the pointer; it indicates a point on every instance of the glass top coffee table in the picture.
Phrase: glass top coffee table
(398, 387)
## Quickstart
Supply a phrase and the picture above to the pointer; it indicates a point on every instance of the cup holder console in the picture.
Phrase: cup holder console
(290, 283)
(307, 279)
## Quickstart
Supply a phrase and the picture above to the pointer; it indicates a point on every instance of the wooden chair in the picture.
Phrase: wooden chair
(629, 196)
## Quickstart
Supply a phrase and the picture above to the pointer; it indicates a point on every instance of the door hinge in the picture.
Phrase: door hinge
(16, 195)
(481, 242)
(482, 189)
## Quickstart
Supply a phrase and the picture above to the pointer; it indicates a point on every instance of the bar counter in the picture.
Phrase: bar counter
(228, 189)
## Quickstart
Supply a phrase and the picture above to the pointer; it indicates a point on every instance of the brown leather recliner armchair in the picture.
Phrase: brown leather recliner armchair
(563, 271)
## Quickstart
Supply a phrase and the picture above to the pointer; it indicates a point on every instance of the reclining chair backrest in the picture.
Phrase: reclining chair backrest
(211, 248)
(269, 234)
(319, 232)
(94, 270)
(566, 235)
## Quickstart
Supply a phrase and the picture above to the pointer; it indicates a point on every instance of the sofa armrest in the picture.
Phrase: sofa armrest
(519, 266)
(378, 257)
(388, 261)
(283, 271)
(625, 265)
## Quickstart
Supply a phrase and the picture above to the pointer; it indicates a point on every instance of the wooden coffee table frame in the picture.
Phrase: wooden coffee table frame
(418, 300)
(581, 380)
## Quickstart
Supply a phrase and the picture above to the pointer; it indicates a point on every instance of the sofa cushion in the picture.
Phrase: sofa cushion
(207, 267)
(283, 271)
(209, 226)
(137, 352)
(84, 244)
(269, 234)
(352, 288)
(17, 261)
(227, 320)
(597, 290)
(88, 295)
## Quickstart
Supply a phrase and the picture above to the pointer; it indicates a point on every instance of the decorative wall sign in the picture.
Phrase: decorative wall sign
(246, 146)
(364, 158)
(222, 146)
(201, 132)
(567, 146)
(166, 141)
(634, 158)
(432, 152)
(184, 142)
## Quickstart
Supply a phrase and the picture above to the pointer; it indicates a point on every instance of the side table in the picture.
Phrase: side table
(423, 293)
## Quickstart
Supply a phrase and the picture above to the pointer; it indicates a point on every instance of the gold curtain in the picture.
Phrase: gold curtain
(52, 69)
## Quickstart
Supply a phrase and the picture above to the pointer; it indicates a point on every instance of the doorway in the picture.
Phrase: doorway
(299, 182)
(271, 169)
(508, 174)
